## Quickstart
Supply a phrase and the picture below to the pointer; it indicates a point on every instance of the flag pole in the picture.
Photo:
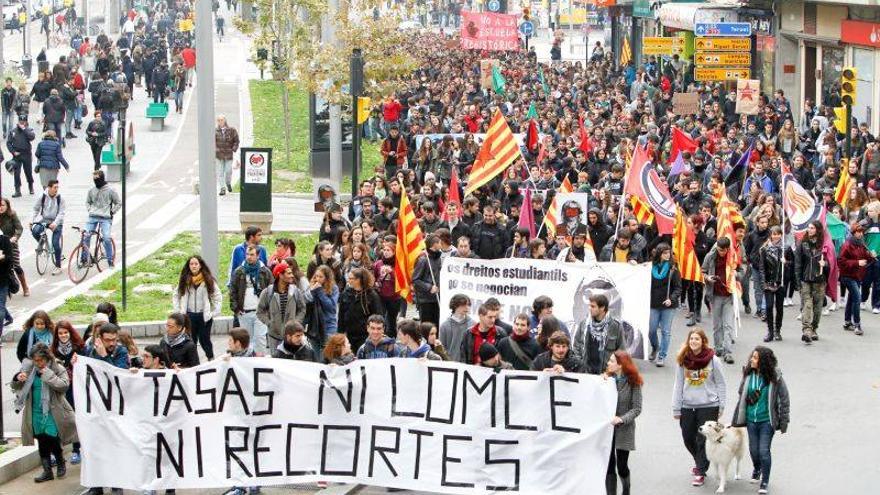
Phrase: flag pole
(433, 279)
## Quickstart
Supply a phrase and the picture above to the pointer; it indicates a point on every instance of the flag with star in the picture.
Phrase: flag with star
(747, 92)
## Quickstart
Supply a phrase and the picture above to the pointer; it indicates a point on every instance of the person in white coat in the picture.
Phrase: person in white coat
(198, 295)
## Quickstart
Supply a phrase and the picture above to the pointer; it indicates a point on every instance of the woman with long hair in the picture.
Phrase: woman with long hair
(698, 395)
(357, 302)
(10, 226)
(342, 244)
(629, 382)
(429, 334)
(383, 271)
(358, 257)
(284, 248)
(665, 293)
(811, 269)
(546, 328)
(763, 409)
(38, 328)
(198, 295)
(321, 301)
(324, 255)
(67, 343)
(694, 290)
(772, 265)
(177, 344)
(338, 350)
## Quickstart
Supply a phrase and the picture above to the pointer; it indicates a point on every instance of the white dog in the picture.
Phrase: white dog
(724, 444)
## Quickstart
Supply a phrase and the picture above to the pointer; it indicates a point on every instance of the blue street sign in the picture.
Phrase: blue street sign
(494, 5)
(723, 29)
(527, 28)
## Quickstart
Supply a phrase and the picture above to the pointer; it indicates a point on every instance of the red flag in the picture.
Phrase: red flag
(586, 146)
(532, 136)
(644, 183)
(542, 153)
(681, 142)
(454, 196)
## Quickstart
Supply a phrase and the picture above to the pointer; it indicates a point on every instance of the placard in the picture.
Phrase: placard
(686, 103)
(487, 31)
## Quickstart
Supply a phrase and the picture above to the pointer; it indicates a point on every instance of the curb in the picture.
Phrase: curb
(18, 462)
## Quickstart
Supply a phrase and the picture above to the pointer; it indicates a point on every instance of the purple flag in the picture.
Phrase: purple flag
(526, 214)
(678, 166)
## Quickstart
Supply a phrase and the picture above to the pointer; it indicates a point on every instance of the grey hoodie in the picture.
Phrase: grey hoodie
(697, 389)
(103, 202)
(452, 333)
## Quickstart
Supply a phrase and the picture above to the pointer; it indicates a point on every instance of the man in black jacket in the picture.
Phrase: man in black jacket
(426, 281)
(18, 142)
(488, 239)
(53, 114)
(294, 346)
(7, 98)
(752, 244)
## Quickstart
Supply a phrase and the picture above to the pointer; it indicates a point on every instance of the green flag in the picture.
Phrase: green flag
(543, 82)
(533, 112)
(498, 81)
(837, 229)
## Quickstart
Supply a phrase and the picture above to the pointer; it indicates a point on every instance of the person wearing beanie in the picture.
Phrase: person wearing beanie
(491, 358)
(280, 303)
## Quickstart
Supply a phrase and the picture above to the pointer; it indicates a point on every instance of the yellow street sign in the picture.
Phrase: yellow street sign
(723, 44)
(723, 74)
(722, 58)
(662, 45)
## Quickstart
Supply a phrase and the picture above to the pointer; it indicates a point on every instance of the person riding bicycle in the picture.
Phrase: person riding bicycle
(49, 212)
(102, 202)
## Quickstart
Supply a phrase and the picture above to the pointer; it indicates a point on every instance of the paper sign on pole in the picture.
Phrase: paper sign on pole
(747, 96)
(487, 31)
(435, 426)
(686, 103)
(486, 65)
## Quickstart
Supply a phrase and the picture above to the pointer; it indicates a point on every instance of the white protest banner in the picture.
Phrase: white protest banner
(437, 426)
(516, 282)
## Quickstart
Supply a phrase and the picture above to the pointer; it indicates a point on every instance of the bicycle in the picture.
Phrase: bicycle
(45, 252)
(82, 260)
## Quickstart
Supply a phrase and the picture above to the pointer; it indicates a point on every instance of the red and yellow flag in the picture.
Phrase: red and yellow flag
(844, 184)
(641, 210)
(683, 249)
(550, 219)
(728, 217)
(410, 244)
(498, 151)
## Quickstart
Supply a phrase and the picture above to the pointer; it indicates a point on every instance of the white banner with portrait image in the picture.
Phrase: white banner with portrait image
(404, 423)
(516, 282)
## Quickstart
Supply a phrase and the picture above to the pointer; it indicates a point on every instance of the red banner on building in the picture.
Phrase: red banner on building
(487, 31)
(860, 33)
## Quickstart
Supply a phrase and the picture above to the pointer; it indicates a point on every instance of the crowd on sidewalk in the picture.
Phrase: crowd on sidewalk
(581, 124)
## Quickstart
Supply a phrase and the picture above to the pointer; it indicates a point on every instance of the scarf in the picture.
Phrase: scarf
(241, 353)
(253, 273)
(175, 340)
(64, 348)
(520, 338)
(198, 279)
(422, 351)
(598, 329)
(660, 270)
(699, 361)
(293, 349)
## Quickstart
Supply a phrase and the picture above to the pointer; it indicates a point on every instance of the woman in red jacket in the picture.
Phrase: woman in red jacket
(853, 261)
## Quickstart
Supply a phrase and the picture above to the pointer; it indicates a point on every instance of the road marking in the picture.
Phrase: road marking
(135, 201)
(38, 282)
(167, 212)
(60, 285)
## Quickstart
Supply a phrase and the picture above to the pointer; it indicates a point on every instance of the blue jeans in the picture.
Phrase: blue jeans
(178, 100)
(662, 319)
(851, 311)
(758, 288)
(37, 230)
(871, 285)
(93, 224)
(8, 121)
(760, 438)
(257, 331)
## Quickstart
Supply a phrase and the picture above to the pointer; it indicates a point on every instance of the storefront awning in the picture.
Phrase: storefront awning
(686, 15)
(809, 38)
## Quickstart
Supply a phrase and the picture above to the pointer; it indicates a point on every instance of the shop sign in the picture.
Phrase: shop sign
(723, 44)
(721, 74)
(723, 58)
(860, 33)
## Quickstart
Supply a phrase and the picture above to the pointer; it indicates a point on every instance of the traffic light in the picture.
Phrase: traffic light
(848, 86)
(526, 13)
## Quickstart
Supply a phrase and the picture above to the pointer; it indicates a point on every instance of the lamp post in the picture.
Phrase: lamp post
(357, 87)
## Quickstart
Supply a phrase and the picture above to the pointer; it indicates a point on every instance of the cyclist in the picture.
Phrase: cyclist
(49, 214)
(102, 202)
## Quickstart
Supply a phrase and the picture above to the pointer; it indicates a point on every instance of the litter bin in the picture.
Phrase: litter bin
(27, 64)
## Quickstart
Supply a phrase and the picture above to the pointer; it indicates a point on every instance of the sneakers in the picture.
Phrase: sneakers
(858, 330)
(691, 322)
(756, 477)
(56, 270)
(814, 336)
(806, 339)
(748, 309)
(826, 312)
(659, 362)
(699, 480)
(728, 358)
(769, 336)
(222, 191)
(848, 326)
(695, 471)
(653, 355)
(865, 305)
(75, 458)
(876, 311)
(763, 488)
(787, 302)
(799, 316)
(777, 335)
(832, 307)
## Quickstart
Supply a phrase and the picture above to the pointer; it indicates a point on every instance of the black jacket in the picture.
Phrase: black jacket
(753, 243)
(530, 348)
(19, 141)
(770, 257)
(354, 309)
(53, 110)
(545, 361)
(489, 241)
(668, 287)
(304, 353)
(426, 274)
(183, 354)
(7, 97)
(806, 262)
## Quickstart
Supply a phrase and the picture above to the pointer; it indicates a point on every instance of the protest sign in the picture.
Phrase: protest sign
(516, 282)
(747, 96)
(486, 72)
(487, 31)
(686, 103)
(437, 426)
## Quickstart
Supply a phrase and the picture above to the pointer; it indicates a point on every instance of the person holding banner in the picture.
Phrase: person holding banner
(459, 323)
(377, 345)
(559, 358)
(625, 374)
(295, 346)
(699, 394)
(47, 416)
(414, 346)
(178, 345)
(358, 301)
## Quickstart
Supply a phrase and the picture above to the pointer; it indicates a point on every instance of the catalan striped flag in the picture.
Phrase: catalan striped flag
(550, 219)
(625, 52)
(410, 244)
(641, 210)
(498, 151)
(844, 184)
(718, 193)
(683, 248)
(728, 217)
